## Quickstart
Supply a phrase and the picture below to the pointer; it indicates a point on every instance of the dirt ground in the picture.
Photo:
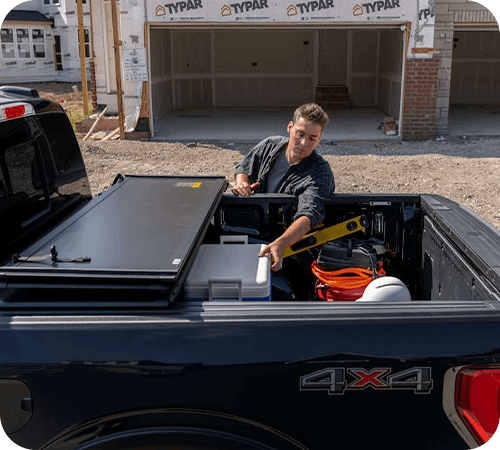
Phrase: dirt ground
(466, 170)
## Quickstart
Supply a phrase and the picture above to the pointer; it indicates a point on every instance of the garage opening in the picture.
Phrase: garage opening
(243, 84)
(475, 82)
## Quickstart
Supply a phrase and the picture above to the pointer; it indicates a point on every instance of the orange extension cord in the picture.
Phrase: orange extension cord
(344, 284)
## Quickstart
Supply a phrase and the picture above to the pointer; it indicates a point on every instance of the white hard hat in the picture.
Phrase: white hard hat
(386, 289)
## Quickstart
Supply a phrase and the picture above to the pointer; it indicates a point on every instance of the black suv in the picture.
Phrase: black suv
(38, 182)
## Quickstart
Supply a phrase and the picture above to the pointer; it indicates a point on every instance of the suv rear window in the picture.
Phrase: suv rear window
(22, 189)
(42, 177)
(62, 140)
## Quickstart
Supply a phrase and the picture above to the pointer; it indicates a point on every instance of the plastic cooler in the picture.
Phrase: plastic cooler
(231, 270)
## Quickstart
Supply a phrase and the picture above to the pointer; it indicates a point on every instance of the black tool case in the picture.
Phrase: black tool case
(142, 233)
(348, 252)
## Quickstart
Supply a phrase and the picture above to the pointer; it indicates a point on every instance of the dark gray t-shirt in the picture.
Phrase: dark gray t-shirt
(277, 172)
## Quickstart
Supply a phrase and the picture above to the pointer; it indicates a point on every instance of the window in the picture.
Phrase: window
(23, 43)
(64, 148)
(54, 2)
(19, 162)
(86, 39)
(29, 43)
(38, 43)
(7, 41)
(58, 52)
(23, 195)
(86, 34)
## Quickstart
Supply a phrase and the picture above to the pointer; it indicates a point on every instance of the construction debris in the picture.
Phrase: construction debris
(113, 133)
(99, 135)
(390, 128)
(77, 92)
(95, 123)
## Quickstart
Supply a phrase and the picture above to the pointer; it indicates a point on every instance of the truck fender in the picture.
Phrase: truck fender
(185, 428)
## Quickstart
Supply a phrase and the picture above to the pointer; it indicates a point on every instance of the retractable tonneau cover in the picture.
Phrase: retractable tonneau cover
(139, 234)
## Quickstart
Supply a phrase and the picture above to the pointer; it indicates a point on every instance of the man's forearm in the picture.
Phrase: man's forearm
(240, 177)
(293, 233)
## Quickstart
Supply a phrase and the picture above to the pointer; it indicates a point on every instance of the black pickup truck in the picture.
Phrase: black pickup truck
(142, 317)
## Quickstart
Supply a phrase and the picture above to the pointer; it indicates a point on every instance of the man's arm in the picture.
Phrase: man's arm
(310, 212)
(314, 193)
(248, 171)
(293, 233)
(242, 185)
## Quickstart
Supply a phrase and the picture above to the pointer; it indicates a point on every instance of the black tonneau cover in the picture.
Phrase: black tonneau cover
(141, 233)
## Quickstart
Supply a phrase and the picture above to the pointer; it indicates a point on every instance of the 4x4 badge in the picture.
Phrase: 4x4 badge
(338, 380)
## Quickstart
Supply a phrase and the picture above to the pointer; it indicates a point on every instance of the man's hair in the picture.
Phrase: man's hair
(312, 113)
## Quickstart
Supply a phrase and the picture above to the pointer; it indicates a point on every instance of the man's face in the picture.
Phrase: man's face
(304, 136)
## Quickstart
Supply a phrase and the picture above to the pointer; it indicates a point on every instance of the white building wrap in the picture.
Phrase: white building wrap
(420, 13)
(27, 64)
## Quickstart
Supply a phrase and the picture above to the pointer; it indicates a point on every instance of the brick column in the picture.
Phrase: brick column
(443, 41)
(419, 106)
(93, 86)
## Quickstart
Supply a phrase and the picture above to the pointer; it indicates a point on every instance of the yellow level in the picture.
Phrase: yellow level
(327, 234)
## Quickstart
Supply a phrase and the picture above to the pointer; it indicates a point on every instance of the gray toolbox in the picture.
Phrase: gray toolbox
(231, 270)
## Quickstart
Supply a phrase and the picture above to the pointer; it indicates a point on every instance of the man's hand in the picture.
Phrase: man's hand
(276, 251)
(276, 248)
(242, 185)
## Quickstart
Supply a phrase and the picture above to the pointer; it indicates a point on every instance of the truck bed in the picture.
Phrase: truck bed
(276, 374)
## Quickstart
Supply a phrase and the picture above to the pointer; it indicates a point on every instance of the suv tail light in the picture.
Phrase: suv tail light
(15, 110)
(478, 401)
(472, 401)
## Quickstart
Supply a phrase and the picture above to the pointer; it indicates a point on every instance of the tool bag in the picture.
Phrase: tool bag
(343, 253)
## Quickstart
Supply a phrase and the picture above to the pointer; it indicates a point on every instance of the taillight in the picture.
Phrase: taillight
(12, 112)
(16, 110)
(477, 401)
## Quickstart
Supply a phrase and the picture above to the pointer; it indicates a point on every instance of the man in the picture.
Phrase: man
(291, 166)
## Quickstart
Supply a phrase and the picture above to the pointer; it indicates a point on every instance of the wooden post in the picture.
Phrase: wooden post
(117, 44)
(83, 65)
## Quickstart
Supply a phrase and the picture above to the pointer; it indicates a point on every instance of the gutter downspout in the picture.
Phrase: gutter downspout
(406, 37)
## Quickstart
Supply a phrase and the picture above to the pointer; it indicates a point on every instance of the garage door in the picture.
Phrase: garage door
(475, 72)
(214, 68)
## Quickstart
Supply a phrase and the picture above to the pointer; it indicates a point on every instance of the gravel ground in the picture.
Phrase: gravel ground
(465, 170)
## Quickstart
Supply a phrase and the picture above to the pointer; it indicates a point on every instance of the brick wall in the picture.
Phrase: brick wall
(419, 107)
